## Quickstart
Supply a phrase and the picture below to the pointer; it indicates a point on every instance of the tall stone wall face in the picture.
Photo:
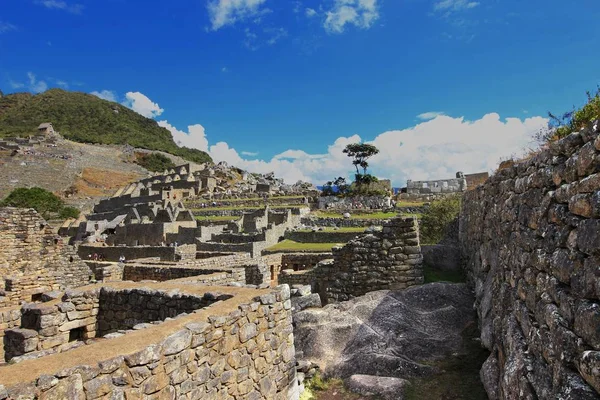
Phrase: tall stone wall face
(33, 259)
(530, 237)
(386, 260)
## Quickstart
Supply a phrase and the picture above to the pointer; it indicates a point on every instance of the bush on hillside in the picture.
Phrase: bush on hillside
(155, 162)
(438, 217)
(44, 202)
(572, 121)
(68, 212)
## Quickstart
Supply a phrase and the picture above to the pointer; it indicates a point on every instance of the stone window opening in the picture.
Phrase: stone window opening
(76, 335)
(36, 297)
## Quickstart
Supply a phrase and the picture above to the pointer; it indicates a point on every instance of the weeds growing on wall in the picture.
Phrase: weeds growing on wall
(571, 121)
(437, 218)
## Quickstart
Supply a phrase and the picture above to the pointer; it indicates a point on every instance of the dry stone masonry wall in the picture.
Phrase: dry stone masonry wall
(531, 240)
(247, 353)
(388, 259)
(34, 259)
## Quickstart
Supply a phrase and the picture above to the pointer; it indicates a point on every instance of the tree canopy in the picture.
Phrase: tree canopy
(361, 152)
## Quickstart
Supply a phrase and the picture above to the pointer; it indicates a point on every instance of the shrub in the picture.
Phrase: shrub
(43, 201)
(68, 212)
(155, 162)
(572, 121)
(437, 218)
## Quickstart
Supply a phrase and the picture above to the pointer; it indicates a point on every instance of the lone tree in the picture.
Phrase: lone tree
(360, 152)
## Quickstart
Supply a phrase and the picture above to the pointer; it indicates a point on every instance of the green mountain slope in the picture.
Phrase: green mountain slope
(86, 118)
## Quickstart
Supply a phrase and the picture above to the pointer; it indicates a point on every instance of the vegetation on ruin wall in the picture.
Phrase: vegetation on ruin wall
(436, 219)
(571, 121)
(155, 162)
(47, 204)
(86, 118)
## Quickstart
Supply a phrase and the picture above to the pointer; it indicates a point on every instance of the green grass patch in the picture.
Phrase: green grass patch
(216, 218)
(410, 204)
(290, 245)
(437, 275)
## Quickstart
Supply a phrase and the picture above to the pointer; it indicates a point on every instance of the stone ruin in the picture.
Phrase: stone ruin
(427, 189)
(182, 322)
(388, 259)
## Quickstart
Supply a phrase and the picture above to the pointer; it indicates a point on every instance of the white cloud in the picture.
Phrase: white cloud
(430, 115)
(360, 13)
(275, 35)
(36, 86)
(194, 138)
(6, 27)
(228, 12)
(141, 104)
(61, 5)
(224, 69)
(310, 12)
(62, 83)
(434, 149)
(106, 95)
(16, 85)
(249, 153)
(454, 5)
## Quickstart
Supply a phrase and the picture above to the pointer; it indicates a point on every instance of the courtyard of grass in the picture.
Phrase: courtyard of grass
(216, 218)
(291, 246)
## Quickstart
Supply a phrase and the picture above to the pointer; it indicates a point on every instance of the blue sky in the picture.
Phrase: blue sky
(283, 85)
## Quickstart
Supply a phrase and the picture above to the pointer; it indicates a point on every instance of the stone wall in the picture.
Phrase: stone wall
(9, 318)
(138, 272)
(389, 259)
(531, 240)
(33, 259)
(56, 327)
(321, 236)
(355, 202)
(299, 261)
(246, 353)
(340, 222)
(124, 309)
(386, 260)
(112, 253)
(454, 185)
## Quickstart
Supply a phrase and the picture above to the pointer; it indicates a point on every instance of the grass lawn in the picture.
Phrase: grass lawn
(290, 245)
(376, 215)
(216, 218)
(438, 275)
(410, 204)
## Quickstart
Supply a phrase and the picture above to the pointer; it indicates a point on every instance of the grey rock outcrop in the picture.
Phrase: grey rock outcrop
(386, 333)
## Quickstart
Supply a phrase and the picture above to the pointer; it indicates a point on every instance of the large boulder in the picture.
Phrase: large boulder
(396, 334)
